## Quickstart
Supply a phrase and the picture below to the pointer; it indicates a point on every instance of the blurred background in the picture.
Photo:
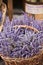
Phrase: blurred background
(17, 4)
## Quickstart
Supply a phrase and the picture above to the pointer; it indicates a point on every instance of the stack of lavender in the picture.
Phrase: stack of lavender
(20, 42)
(26, 20)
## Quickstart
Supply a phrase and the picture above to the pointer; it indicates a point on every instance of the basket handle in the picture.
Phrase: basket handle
(4, 9)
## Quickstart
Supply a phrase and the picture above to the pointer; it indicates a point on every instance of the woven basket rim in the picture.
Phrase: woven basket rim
(27, 27)
(6, 58)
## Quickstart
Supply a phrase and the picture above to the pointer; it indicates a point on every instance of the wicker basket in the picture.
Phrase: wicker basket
(3, 9)
(35, 60)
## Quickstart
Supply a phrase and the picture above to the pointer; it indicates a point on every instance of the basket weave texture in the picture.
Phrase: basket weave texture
(35, 60)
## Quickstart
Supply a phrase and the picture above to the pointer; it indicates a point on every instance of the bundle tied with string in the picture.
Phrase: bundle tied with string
(34, 60)
(3, 10)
